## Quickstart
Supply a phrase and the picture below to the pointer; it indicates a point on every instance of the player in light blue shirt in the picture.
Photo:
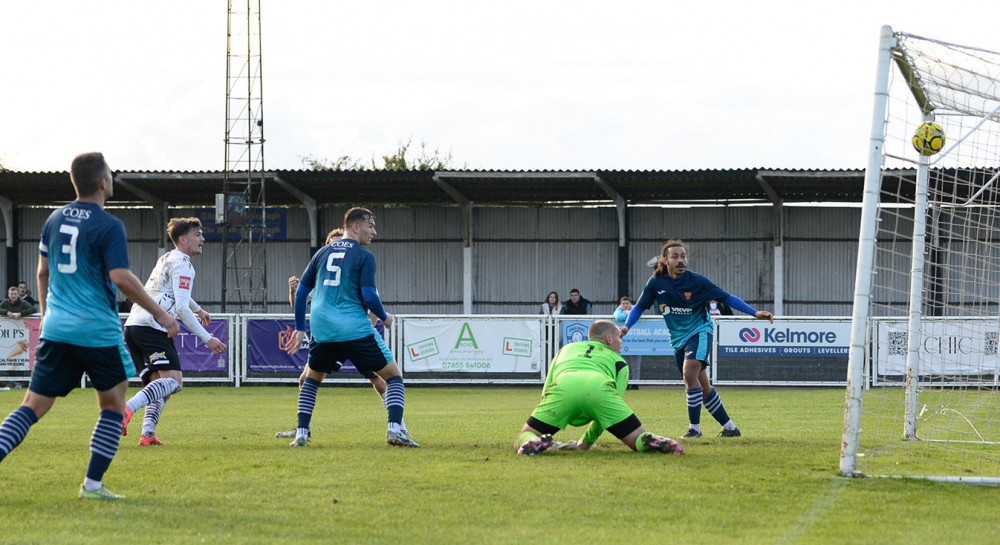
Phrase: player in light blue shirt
(680, 296)
(83, 256)
(341, 277)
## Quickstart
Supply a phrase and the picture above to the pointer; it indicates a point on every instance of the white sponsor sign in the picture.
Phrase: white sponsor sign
(818, 339)
(16, 348)
(472, 345)
(946, 347)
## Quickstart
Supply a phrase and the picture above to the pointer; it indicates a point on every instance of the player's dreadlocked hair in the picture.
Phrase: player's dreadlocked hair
(661, 264)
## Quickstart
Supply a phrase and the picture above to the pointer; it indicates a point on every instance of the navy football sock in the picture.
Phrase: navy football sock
(395, 399)
(104, 443)
(694, 405)
(14, 428)
(307, 402)
(714, 405)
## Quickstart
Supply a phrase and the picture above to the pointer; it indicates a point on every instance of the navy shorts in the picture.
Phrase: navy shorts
(151, 350)
(60, 366)
(367, 373)
(698, 347)
(367, 354)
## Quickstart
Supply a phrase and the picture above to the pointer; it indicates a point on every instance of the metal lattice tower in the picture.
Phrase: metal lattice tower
(244, 286)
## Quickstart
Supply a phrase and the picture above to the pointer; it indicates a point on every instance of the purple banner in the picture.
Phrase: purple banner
(264, 354)
(195, 356)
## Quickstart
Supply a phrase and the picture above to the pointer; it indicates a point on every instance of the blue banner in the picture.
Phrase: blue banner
(647, 338)
(195, 356)
(275, 224)
(264, 354)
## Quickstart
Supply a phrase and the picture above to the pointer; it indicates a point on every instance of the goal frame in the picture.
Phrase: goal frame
(859, 359)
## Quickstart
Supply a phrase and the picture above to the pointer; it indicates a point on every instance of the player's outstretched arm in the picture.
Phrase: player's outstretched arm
(132, 288)
(739, 304)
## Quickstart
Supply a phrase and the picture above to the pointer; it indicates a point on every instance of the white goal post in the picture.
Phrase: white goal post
(922, 395)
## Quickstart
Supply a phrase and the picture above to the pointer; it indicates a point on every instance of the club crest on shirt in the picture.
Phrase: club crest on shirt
(185, 283)
(687, 295)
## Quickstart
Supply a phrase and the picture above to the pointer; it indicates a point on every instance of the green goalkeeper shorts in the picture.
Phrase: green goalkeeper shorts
(579, 397)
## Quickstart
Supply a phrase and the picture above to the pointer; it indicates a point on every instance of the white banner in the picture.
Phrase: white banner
(947, 347)
(17, 342)
(472, 345)
(785, 338)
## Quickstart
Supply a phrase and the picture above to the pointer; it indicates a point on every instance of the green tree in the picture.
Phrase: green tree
(401, 159)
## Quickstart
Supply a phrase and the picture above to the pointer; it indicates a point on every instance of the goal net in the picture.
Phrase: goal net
(922, 395)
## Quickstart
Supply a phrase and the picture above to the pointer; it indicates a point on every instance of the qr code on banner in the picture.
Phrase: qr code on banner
(897, 343)
(990, 348)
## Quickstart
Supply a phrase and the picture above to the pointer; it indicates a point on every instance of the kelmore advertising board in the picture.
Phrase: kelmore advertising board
(784, 339)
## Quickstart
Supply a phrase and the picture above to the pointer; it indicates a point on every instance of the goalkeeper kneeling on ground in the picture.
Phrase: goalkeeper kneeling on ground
(586, 384)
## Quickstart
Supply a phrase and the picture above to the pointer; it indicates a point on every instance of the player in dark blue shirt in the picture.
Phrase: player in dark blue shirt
(376, 381)
(341, 277)
(84, 255)
(680, 296)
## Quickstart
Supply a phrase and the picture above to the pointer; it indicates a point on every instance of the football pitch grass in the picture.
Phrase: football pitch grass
(224, 478)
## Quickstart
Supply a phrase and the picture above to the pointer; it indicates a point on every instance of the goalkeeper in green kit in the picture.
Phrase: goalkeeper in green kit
(586, 384)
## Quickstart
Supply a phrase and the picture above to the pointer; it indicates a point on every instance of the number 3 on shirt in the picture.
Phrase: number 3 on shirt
(333, 269)
(73, 232)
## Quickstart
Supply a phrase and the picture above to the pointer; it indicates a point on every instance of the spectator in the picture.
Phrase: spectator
(22, 289)
(717, 308)
(552, 306)
(15, 307)
(625, 305)
(576, 304)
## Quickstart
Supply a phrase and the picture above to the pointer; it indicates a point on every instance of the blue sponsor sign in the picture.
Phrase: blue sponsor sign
(264, 354)
(646, 338)
(275, 224)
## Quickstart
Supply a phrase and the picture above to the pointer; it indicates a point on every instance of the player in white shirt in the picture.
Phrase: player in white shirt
(156, 355)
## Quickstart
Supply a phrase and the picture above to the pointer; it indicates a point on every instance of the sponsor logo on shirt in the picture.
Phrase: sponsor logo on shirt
(185, 283)
(77, 213)
(664, 310)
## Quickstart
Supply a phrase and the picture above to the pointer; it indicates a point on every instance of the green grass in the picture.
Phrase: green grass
(224, 478)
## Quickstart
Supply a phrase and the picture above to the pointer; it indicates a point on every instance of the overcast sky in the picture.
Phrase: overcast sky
(498, 85)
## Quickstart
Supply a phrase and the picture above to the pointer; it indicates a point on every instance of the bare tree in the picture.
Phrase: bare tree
(398, 160)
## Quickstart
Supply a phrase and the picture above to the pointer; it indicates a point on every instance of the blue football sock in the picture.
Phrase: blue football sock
(307, 402)
(714, 405)
(15, 427)
(395, 400)
(694, 405)
(104, 443)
